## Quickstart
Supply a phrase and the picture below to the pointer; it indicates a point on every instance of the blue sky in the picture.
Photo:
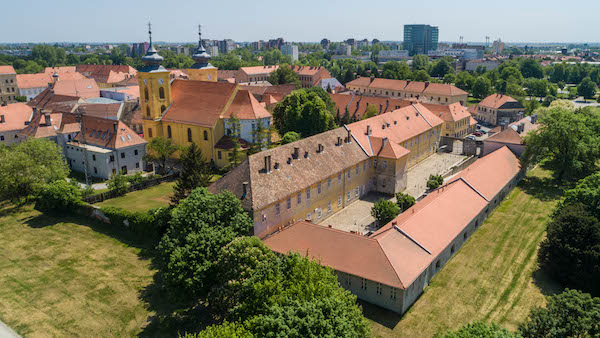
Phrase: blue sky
(307, 20)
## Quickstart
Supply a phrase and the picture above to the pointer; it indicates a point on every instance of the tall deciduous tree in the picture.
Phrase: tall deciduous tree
(567, 139)
(304, 113)
(482, 87)
(284, 74)
(195, 172)
(160, 151)
(569, 314)
(27, 167)
(420, 62)
(587, 88)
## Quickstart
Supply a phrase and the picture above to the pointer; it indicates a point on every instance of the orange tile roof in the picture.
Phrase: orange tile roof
(259, 69)
(246, 107)
(388, 84)
(306, 70)
(397, 126)
(47, 100)
(7, 70)
(38, 128)
(60, 70)
(507, 135)
(86, 88)
(381, 147)
(15, 115)
(357, 104)
(107, 73)
(490, 173)
(528, 126)
(360, 81)
(198, 102)
(449, 113)
(39, 80)
(496, 101)
(443, 89)
(425, 88)
(106, 133)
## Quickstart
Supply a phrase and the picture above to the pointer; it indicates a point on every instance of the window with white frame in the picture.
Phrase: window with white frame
(329, 183)
(340, 178)
(339, 201)
(363, 283)
(329, 207)
(308, 216)
(384, 164)
(319, 188)
(277, 206)
(378, 289)
(393, 293)
(319, 213)
(348, 196)
(357, 191)
(299, 196)
(349, 173)
(357, 169)
(289, 203)
(307, 194)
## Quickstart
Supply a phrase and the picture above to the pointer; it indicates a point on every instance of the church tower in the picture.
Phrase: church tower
(202, 70)
(155, 85)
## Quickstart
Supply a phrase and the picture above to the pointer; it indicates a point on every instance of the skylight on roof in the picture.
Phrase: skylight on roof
(122, 139)
(128, 137)
(103, 136)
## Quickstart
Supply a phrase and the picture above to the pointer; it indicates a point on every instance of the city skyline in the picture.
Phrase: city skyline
(535, 22)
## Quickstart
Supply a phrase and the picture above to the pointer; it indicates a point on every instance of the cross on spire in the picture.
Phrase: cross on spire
(150, 31)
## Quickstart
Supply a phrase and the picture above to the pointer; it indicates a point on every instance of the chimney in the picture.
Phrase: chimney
(306, 154)
(394, 223)
(339, 141)
(369, 131)
(115, 127)
(384, 142)
(380, 108)
(269, 163)
(387, 104)
(349, 137)
(426, 84)
(2, 120)
(244, 189)
(319, 148)
(296, 153)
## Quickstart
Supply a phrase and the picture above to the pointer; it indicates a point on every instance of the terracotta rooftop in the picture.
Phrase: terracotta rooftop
(357, 104)
(40, 80)
(107, 73)
(48, 101)
(425, 88)
(259, 69)
(507, 135)
(449, 113)
(397, 126)
(198, 102)
(84, 88)
(246, 107)
(496, 101)
(226, 143)
(14, 116)
(106, 133)
(7, 70)
(39, 126)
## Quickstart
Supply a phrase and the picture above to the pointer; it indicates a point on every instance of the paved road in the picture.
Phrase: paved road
(7, 332)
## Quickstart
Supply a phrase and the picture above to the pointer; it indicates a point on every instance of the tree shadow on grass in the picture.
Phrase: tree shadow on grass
(172, 318)
(543, 188)
(380, 315)
(119, 233)
(547, 285)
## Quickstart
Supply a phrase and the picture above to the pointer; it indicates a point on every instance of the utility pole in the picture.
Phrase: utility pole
(81, 121)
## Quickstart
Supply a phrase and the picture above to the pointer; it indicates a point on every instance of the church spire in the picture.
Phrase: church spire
(201, 57)
(152, 58)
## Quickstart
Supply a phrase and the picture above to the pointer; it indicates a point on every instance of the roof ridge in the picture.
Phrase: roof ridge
(390, 263)
(472, 187)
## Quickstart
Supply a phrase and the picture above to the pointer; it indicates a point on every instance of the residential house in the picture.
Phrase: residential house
(511, 136)
(458, 122)
(13, 118)
(31, 85)
(309, 76)
(8, 85)
(107, 75)
(500, 109)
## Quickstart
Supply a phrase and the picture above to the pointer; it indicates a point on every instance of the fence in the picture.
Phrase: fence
(133, 187)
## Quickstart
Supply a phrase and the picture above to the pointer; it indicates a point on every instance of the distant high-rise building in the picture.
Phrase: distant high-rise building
(352, 43)
(213, 50)
(275, 43)
(226, 46)
(291, 50)
(420, 39)
(257, 45)
(139, 49)
(325, 44)
(498, 47)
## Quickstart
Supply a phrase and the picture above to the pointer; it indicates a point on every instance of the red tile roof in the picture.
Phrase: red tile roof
(198, 102)
(496, 101)
(357, 104)
(259, 69)
(397, 126)
(449, 113)
(15, 115)
(226, 143)
(107, 133)
(48, 101)
(7, 70)
(107, 73)
(246, 107)
(85, 88)
(508, 135)
(425, 88)
(43, 79)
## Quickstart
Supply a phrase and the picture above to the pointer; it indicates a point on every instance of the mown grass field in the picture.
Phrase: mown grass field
(493, 277)
(70, 276)
(143, 200)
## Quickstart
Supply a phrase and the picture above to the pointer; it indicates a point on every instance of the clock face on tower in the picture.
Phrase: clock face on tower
(146, 82)
(160, 81)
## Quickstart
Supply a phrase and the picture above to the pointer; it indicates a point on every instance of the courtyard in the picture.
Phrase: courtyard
(357, 216)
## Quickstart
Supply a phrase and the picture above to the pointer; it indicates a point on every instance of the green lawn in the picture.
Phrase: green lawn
(494, 276)
(142, 200)
(69, 276)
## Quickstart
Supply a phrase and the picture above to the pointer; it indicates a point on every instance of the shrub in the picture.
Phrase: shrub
(58, 196)
(289, 137)
(137, 178)
(404, 201)
(139, 223)
(87, 191)
(119, 184)
(384, 211)
(435, 181)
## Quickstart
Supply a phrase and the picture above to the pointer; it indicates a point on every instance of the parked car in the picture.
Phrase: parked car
(470, 137)
(478, 133)
(478, 126)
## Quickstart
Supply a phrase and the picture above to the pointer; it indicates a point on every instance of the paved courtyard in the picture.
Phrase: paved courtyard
(357, 216)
